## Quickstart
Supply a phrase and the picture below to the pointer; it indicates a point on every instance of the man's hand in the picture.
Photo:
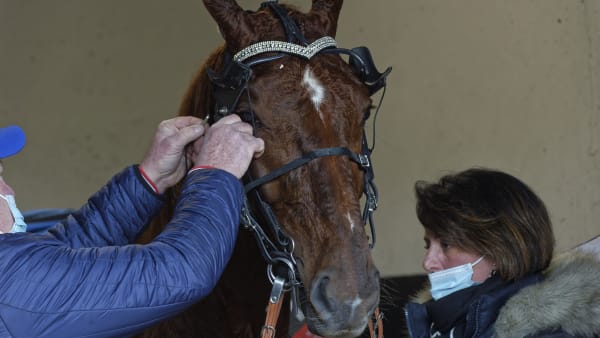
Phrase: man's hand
(164, 164)
(228, 145)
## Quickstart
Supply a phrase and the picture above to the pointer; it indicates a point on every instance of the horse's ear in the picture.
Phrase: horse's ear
(327, 13)
(229, 16)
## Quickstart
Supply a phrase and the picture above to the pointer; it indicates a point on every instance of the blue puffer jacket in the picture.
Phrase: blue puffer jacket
(84, 279)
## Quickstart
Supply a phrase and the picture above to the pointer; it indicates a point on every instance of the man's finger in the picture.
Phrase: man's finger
(187, 135)
(229, 119)
(243, 127)
(181, 122)
(260, 147)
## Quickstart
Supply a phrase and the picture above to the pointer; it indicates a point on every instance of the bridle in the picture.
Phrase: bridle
(228, 86)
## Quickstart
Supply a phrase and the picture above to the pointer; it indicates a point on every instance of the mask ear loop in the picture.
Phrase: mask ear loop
(492, 273)
(15, 213)
(477, 261)
(6, 199)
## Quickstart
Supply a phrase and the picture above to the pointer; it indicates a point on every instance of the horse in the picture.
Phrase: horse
(280, 70)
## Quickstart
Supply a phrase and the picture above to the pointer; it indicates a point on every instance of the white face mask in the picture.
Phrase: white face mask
(451, 280)
(19, 224)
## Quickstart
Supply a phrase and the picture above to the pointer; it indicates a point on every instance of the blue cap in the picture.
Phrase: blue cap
(12, 140)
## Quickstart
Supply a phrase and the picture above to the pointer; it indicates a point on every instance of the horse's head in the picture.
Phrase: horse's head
(302, 106)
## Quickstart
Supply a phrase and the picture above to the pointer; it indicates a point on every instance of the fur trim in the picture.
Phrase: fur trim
(423, 295)
(568, 298)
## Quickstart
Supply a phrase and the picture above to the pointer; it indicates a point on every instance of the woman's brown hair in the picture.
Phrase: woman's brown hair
(490, 213)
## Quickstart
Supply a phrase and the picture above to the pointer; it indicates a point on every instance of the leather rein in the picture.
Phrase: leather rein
(228, 86)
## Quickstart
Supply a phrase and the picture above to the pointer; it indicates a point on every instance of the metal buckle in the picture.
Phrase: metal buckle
(364, 160)
(277, 290)
(372, 204)
(291, 273)
(267, 328)
(246, 219)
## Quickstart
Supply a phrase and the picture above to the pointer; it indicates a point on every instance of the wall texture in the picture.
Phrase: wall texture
(512, 85)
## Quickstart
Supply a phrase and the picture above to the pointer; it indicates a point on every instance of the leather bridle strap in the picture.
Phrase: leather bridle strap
(358, 158)
(376, 324)
(273, 308)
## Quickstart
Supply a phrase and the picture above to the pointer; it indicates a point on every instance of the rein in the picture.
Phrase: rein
(228, 86)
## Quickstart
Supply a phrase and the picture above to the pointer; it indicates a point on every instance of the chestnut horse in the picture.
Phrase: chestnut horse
(281, 71)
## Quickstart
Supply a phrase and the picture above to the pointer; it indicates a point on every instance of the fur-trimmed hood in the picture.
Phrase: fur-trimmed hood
(569, 297)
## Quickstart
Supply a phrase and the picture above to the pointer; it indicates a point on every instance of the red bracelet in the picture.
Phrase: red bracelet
(148, 180)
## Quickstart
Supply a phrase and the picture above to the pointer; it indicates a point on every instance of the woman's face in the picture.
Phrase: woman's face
(441, 256)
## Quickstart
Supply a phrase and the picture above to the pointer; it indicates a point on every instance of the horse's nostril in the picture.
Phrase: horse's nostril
(320, 296)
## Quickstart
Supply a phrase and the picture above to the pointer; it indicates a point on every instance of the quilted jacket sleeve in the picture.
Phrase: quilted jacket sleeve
(113, 216)
(53, 287)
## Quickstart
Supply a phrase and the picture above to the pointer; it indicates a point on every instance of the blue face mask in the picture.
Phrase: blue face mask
(19, 224)
(451, 280)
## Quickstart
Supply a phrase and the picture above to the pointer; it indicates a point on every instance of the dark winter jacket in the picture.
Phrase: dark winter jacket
(84, 279)
(563, 302)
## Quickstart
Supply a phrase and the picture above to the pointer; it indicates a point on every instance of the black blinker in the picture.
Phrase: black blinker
(364, 67)
(228, 86)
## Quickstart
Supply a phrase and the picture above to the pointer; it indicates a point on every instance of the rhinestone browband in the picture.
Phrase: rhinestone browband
(286, 47)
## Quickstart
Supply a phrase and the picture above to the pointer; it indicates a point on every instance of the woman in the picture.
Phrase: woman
(489, 247)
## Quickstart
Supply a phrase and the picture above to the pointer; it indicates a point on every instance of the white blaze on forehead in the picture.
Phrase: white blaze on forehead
(315, 89)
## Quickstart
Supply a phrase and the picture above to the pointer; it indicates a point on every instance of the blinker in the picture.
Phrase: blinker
(364, 67)
(228, 86)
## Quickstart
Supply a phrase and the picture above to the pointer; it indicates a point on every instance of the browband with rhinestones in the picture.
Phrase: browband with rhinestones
(286, 47)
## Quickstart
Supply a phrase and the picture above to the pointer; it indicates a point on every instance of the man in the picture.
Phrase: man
(84, 278)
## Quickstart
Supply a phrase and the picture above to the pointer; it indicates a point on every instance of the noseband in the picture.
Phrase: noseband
(228, 86)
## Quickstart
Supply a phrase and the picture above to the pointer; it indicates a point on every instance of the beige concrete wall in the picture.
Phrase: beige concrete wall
(512, 85)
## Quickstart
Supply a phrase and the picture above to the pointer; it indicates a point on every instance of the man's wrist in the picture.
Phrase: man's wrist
(149, 181)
